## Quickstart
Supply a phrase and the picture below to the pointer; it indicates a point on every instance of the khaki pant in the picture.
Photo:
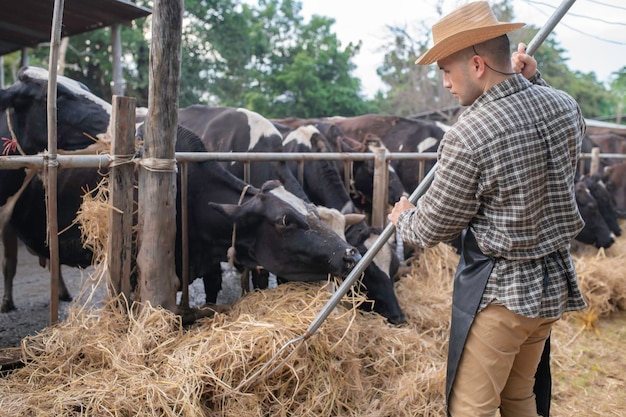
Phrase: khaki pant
(498, 365)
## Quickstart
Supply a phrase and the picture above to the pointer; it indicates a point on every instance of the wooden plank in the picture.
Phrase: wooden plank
(121, 191)
(51, 167)
(381, 179)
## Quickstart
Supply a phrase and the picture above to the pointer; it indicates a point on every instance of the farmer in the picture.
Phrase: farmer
(505, 184)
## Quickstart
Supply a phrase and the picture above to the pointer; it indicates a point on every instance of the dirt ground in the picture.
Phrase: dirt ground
(31, 294)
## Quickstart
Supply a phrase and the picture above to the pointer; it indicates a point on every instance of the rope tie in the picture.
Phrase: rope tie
(119, 160)
(158, 165)
(49, 160)
(231, 253)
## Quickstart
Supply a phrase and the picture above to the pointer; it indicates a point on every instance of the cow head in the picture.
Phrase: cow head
(285, 235)
(596, 232)
(614, 178)
(81, 116)
(361, 173)
(378, 276)
(605, 203)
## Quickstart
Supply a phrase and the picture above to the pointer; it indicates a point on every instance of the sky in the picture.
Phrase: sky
(593, 32)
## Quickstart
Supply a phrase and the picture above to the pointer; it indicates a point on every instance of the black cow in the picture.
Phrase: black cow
(596, 232)
(378, 277)
(614, 178)
(274, 228)
(606, 206)
(286, 225)
(28, 222)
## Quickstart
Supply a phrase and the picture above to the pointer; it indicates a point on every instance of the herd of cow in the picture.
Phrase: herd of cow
(301, 223)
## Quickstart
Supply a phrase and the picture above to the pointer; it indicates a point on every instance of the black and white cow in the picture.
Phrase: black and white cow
(378, 277)
(275, 229)
(229, 129)
(376, 280)
(398, 134)
(359, 175)
(292, 241)
(239, 130)
(321, 180)
(82, 118)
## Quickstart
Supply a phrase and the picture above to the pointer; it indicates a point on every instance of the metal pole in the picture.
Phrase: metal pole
(417, 193)
(543, 33)
(365, 260)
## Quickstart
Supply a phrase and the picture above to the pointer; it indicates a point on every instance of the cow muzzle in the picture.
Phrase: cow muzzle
(350, 259)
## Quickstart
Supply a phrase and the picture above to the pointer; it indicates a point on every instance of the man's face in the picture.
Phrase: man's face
(460, 76)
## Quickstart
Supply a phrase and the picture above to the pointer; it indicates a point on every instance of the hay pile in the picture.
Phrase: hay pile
(113, 362)
(602, 276)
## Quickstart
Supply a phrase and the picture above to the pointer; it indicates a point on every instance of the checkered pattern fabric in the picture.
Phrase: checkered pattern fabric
(507, 169)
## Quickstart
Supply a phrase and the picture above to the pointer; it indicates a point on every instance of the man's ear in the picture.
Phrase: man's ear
(478, 65)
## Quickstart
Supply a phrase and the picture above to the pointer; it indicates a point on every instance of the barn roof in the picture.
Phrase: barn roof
(27, 23)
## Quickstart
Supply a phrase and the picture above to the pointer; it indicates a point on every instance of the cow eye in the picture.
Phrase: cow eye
(285, 221)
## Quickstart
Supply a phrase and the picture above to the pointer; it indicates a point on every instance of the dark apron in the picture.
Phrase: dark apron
(470, 281)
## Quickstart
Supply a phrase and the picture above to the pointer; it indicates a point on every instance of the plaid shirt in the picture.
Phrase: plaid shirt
(507, 169)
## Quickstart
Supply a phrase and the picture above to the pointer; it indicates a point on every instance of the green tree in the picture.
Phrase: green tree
(263, 57)
(413, 89)
(618, 90)
(267, 59)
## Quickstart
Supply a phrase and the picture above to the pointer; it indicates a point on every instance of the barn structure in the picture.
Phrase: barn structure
(27, 24)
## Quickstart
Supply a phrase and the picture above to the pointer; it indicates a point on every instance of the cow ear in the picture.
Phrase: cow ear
(354, 218)
(242, 215)
(231, 211)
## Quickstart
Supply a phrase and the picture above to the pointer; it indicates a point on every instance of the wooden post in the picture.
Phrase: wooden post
(595, 160)
(184, 220)
(381, 179)
(157, 176)
(51, 166)
(121, 191)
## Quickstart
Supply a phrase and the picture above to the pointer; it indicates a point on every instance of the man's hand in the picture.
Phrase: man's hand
(401, 206)
(523, 63)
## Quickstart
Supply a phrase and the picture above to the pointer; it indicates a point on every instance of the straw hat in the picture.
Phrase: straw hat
(468, 25)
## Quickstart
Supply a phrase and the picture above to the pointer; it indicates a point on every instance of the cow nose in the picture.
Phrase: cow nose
(397, 319)
(351, 257)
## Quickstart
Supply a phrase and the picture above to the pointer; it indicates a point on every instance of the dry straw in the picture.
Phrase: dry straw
(112, 361)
